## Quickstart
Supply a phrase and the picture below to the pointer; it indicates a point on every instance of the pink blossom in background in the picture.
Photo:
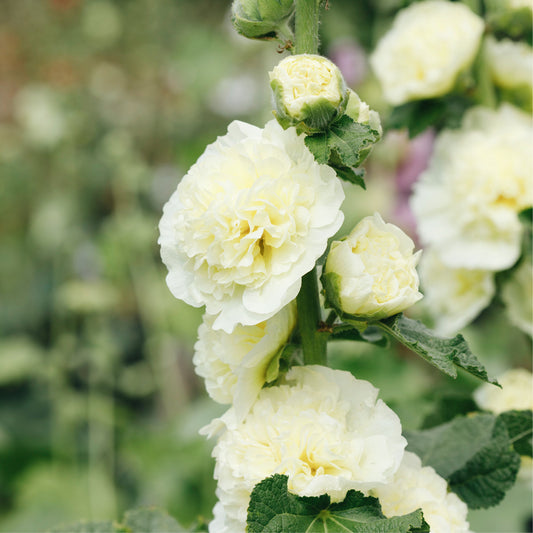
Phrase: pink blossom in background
(412, 165)
(351, 60)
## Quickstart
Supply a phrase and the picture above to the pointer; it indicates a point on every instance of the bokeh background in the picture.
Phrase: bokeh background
(104, 105)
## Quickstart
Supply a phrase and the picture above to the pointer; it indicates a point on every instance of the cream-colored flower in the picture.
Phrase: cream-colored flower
(308, 88)
(324, 429)
(419, 487)
(375, 270)
(235, 364)
(516, 392)
(454, 296)
(428, 45)
(478, 180)
(247, 221)
(517, 295)
(510, 62)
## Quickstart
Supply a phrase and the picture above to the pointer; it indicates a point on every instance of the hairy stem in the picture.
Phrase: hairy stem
(306, 26)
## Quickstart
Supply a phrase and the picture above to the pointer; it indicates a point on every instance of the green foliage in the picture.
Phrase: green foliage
(444, 353)
(144, 520)
(344, 146)
(519, 425)
(438, 113)
(273, 509)
(475, 455)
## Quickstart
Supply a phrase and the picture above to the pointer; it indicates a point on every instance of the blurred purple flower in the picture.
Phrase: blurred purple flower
(351, 60)
(412, 165)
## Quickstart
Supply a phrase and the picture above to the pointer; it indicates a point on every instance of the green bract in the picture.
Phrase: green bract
(262, 19)
(309, 92)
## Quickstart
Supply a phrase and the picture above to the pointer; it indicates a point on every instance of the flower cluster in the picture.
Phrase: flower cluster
(467, 204)
(245, 224)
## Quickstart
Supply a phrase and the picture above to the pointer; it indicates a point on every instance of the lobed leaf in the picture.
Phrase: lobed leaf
(519, 425)
(273, 509)
(444, 353)
(475, 455)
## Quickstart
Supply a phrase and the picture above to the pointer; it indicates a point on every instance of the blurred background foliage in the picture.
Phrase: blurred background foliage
(104, 105)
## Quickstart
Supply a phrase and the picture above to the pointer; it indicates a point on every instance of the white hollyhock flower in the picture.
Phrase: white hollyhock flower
(415, 486)
(360, 111)
(517, 295)
(375, 270)
(235, 364)
(478, 180)
(454, 296)
(510, 62)
(324, 429)
(308, 88)
(516, 392)
(247, 221)
(428, 45)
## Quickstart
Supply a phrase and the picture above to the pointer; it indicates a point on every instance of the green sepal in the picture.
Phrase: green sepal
(475, 455)
(274, 509)
(444, 353)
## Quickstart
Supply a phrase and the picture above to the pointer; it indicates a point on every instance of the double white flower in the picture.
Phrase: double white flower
(478, 180)
(324, 429)
(247, 221)
(429, 44)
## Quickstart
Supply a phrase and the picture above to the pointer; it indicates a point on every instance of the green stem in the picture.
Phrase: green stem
(306, 26)
(314, 342)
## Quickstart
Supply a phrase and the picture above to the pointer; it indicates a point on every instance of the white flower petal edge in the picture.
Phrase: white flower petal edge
(479, 178)
(234, 365)
(416, 486)
(510, 62)
(453, 296)
(324, 429)
(428, 45)
(247, 221)
(516, 392)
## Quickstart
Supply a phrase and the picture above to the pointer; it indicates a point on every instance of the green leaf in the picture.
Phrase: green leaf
(344, 146)
(444, 353)
(485, 478)
(519, 425)
(473, 453)
(150, 520)
(447, 407)
(273, 509)
(419, 115)
(371, 334)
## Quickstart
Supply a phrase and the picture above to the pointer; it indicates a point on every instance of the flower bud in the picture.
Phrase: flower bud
(360, 112)
(261, 19)
(309, 92)
(371, 273)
